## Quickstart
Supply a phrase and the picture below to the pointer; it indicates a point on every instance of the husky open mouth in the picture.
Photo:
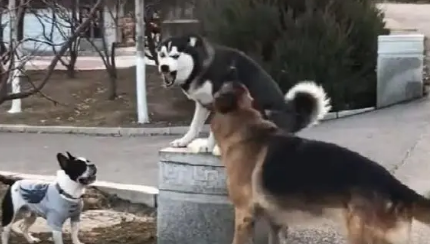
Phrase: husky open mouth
(169, 78)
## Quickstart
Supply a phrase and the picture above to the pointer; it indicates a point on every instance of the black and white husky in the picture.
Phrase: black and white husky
(55, 201)
(200, 68)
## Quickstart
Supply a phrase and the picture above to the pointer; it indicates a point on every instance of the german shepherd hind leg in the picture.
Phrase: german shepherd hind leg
(378, 221)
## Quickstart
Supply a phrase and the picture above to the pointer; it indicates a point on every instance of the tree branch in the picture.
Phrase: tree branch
(57, 57)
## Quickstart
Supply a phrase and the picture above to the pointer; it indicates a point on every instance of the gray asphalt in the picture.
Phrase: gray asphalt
(131, 160)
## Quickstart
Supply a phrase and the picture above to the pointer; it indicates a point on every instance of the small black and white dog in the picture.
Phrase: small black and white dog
(55, 201)
(200, 69)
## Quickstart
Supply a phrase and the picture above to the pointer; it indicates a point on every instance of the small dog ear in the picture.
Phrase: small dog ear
(62, 160)
(70, 155)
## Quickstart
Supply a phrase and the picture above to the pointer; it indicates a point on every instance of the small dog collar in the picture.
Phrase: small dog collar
(62, 192)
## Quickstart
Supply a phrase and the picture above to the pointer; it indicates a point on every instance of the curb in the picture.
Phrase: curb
(139, 194)
(95, 131)
(150, 131)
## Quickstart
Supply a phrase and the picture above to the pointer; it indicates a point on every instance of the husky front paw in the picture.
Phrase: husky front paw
(216, 151)
(181, 142)
(200, 145)
(33, 240)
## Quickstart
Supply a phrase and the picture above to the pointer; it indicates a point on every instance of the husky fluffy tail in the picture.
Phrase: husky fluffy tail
(307, 103)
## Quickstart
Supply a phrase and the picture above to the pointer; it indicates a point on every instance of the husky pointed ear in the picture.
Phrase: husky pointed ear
(62, 160)
(193, 40)
(231, 74)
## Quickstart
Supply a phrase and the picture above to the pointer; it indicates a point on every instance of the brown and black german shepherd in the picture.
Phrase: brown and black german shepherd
(280, 176)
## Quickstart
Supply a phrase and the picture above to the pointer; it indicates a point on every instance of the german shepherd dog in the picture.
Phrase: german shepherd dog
(280, 176)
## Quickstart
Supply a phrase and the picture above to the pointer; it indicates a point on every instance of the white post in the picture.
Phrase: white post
(142, 106)
(15, 75)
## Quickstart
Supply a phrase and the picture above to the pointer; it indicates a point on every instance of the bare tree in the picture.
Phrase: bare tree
(63, 21)
(152, 30)
(107, 50)
(9, 68)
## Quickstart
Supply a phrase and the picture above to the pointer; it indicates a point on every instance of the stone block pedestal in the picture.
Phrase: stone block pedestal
(192, 203)
(399, 68)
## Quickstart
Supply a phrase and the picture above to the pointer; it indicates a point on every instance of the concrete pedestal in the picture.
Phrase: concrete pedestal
(192, 203)
(399, 68)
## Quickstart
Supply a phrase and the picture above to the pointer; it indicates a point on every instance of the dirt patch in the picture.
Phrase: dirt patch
(106, 220)
(83, 101)
(130, 232)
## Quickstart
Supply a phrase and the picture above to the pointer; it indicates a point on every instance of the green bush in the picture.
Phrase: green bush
(330, 41)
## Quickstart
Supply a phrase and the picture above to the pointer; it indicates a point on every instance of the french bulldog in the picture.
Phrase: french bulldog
(55, 201)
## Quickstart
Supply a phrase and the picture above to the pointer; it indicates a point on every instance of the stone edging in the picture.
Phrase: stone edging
(150, 131)
(140, 194)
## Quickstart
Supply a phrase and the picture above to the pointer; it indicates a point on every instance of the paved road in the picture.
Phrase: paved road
(407, 16)
(131, 160)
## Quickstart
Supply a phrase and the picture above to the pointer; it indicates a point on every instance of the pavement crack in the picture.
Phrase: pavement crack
(408, 153)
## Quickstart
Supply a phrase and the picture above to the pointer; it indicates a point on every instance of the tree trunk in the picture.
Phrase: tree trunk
(15, 15)
(20, 18)
(73, 47)
(3, 48)
(112, 87)
(112, 74)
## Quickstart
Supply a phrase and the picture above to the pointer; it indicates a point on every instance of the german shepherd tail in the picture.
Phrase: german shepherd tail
(422, 209)
(309, 103)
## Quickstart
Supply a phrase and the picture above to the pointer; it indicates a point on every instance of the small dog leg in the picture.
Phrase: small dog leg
(74, 232)
(25, 225)
(57, 236)
(244, 226)
(6, 234)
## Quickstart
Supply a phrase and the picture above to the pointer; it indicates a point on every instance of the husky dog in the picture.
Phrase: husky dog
(55, 201)
(200, 68)
(289, 180)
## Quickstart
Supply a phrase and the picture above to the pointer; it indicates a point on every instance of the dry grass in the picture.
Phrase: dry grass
(83, 101)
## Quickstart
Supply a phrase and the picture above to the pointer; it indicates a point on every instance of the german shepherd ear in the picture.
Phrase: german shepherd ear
(226, 99)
